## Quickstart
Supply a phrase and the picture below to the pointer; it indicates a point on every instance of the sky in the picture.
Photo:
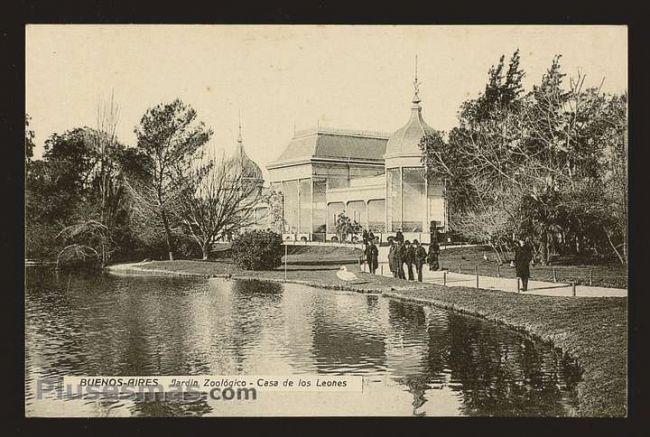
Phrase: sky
(282, 78)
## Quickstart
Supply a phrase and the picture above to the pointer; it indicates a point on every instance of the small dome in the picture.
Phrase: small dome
(405, 141)
(250, 169)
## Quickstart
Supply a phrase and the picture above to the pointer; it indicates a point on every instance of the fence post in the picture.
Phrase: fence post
(517, 284)
(444, 277)
(554, 275)
(573, 287)
(382, 269)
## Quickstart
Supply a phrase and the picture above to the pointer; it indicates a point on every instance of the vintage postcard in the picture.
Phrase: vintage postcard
(326, 220)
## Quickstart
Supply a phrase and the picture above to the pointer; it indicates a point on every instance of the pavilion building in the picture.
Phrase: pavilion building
(378, 180)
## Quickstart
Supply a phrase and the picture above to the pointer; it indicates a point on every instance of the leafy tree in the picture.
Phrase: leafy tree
(346, 226)
(169, 136)
(543, 164)
(78, 183)
(276, 210)
(29, 140)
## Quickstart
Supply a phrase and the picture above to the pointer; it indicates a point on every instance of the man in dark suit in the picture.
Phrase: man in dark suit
(409, 258)
(523, 257)
(420, 258)
(372, 255)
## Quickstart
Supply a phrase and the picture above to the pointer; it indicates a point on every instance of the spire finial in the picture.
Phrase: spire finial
(239, 138)
(416, 68)
(416, 84)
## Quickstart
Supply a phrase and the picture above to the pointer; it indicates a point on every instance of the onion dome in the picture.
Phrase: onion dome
(405, 141)
(250, 170)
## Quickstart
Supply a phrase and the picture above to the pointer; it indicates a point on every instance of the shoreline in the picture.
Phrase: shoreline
(591, 331)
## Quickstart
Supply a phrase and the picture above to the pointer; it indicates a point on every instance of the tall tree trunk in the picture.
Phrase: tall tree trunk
(205, 248)
(496, 251)
(168, 234)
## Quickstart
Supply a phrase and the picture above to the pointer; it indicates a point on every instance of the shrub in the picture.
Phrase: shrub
(187, 248)
(257, 250)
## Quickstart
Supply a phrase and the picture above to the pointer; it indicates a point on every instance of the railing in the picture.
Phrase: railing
(586, 276)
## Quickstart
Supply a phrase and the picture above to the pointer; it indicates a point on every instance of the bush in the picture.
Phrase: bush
(257, 250)
(187, 247)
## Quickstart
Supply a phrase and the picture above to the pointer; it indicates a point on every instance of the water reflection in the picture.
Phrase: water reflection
(416, 360)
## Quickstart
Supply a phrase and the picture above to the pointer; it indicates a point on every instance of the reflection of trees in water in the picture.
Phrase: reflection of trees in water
(101, 325)
(500, 372)
(52, 324)
(343, 336)
(417, 385)
(372, 302)
(105, 325)
(254, 302)
(409, 327)
(152, 405)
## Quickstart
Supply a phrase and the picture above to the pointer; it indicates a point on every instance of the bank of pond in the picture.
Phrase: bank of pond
(417, 358)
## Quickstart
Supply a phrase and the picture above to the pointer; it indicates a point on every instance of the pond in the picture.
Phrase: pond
(415, 360)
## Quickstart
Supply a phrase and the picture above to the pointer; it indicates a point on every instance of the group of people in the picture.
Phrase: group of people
(402, 253)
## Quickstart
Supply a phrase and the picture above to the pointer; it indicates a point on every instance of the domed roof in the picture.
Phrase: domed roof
(405, 141)
(250, 169)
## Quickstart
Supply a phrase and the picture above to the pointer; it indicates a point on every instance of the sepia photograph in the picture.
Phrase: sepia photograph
(326, 220)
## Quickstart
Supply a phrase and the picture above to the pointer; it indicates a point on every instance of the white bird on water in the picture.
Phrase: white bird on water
(344, 275)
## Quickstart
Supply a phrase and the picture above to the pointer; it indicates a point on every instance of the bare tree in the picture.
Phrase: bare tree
(106, 170)
(103, 177)
(216, 198)
(104, 145)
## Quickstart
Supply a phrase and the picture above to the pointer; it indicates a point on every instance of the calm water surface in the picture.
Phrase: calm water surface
(416, 360)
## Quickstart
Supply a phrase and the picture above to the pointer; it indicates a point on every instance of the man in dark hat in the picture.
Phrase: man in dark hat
(434, 251)
(420, 258)
(392, 258)
(401, 257)
(409, 258)
(523, 257)
(372, 256)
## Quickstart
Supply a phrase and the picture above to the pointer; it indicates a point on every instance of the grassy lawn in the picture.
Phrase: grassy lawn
(567, 269)
(302, 254)
(323, 255)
